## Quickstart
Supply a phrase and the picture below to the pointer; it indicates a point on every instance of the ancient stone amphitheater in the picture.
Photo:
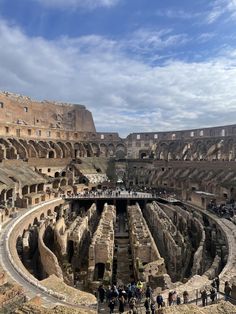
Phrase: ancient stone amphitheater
(80, 208)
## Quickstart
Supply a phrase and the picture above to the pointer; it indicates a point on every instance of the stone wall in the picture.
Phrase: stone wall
(148, 264)
(48, 258)
(101, 249)
(21, 110)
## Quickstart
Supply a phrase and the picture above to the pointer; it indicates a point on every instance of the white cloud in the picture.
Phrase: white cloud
(147, 40)
(89, 4)
(124, 94)
(178, 14)
(220, 8)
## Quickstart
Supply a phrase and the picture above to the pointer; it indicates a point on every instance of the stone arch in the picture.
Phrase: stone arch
(9, 193)
(88, 149)
(163, 151)
(95, 149)
(25, 190)
(111, 149)
(21, 151)
(3, 195)
(120, 151)
(63, 182)
(55, 184)
(33, 188)
(64, 149)
(79, 150)
(40, 187)
(11, 153)
(57, 149)
(51, 154)
(103, 150)
(41, 151)
(143, 154)
(70, 149)
(31, 151)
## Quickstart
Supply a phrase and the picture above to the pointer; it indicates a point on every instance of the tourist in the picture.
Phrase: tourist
(227, 291)
(178, 300)
(213, 294)
(159, 301)
(217, 281)
(112, 304)
(121, 304)
(101, 293)
(153, 307)
(132, 305)
(170, 300)
(139, 290)
(185, 297)
(174, 298)
(147, 305)
(114, 291)
(204, 297)
(148, 292)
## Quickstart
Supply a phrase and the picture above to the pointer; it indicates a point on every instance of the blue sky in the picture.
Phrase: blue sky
(137, 65)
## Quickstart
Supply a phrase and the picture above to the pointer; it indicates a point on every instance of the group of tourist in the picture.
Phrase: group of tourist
(226, 210)
(213, 292)
(130, 297)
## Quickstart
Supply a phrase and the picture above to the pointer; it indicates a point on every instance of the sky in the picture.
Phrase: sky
(137, 65)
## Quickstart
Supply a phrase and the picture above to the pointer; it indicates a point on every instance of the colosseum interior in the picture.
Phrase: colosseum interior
(81, 208)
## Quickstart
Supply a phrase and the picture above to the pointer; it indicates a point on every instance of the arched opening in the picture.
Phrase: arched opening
(99, 271)
(49, 212)
(40, 187)
(63, 174)
(33, 188)
(25, 190)
(56, 175)
(51, 154)
(63, 182)
(83, 180)
(9, 194)
(2, 196)
(55, 184)
(143, 155)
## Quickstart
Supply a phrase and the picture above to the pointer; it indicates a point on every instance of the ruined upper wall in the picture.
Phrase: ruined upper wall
(22, 110)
